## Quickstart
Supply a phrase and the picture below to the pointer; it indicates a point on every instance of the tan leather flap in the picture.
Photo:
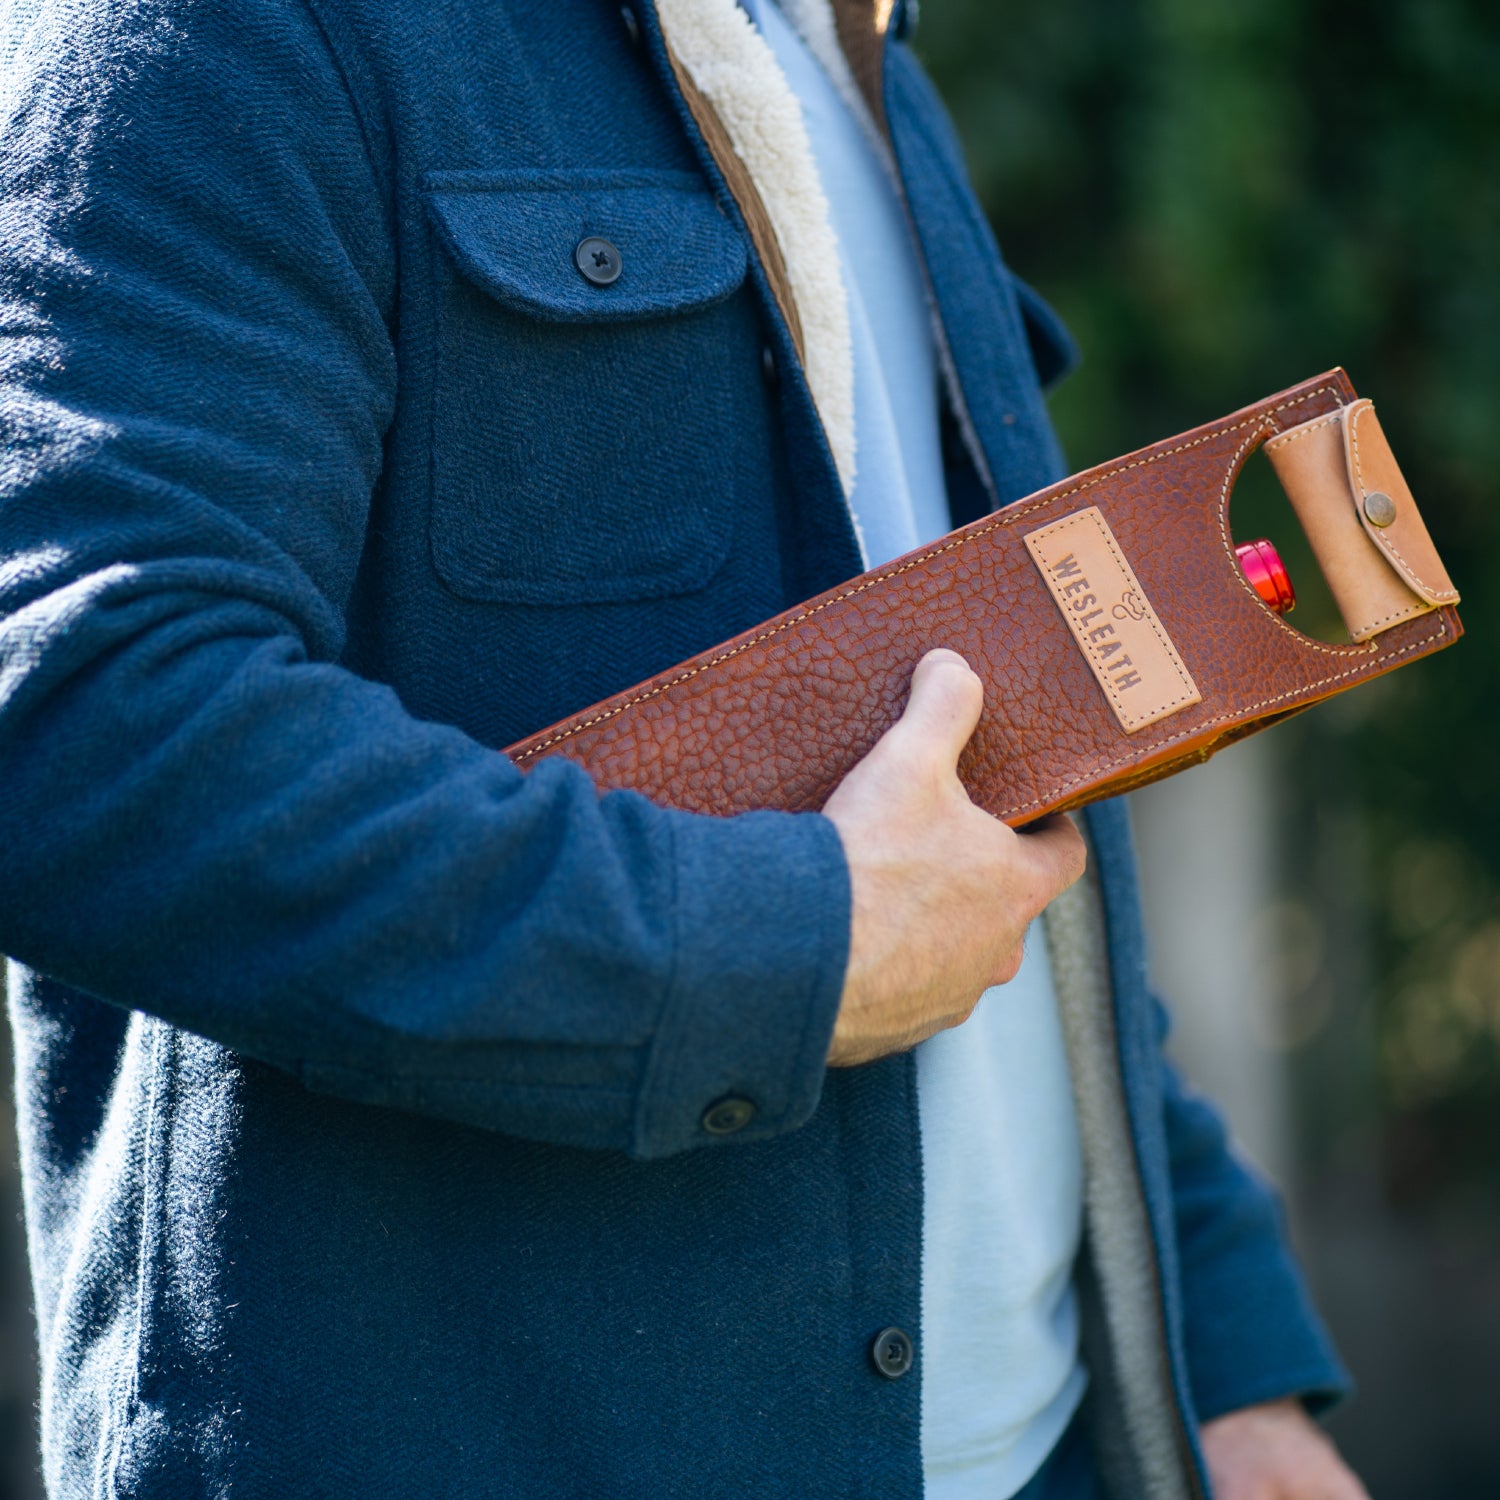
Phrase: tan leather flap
(1373, 472)
(1338, 471)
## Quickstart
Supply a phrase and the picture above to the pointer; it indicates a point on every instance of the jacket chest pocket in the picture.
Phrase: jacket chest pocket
(583, 400)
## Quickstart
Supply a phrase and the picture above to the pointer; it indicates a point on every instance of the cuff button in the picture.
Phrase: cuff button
(728, 1115)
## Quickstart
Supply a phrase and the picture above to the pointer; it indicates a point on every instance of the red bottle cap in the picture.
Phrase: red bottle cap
(1262, 568)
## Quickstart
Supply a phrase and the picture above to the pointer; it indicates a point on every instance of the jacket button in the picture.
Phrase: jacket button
(893, 1353)
(599, 261)
(768, 365)
(632, 26)
(728, 1115)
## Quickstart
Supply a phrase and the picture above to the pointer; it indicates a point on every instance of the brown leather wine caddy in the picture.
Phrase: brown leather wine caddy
(1117, 638)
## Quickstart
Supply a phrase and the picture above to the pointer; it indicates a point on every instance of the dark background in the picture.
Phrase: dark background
(1223, 198)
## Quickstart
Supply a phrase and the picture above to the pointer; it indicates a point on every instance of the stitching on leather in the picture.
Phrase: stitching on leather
(1306, 429)
(1239, 572)
(1384, 542)
(1190, 693)
(921, 557)
(1269, 416)
(1249, 708)
(1410, 612)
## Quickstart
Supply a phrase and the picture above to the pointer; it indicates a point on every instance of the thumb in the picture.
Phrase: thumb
(943, 711)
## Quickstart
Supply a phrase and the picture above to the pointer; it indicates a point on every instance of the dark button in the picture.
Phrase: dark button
(768, 365)
(893, 1353)
(632, 26)
(599, 261)
(728, 1115)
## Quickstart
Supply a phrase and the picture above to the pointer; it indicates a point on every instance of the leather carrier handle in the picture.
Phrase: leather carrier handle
(1361, 520)
(1107, 615)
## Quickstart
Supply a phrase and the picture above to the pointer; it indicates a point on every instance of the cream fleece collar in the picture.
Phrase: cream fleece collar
(737, 72)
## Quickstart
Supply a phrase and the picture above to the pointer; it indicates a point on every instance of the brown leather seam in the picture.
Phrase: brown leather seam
(1227, 539)
(1410, 574)
(1190, 695)
(1198, 729)
(1005, 519)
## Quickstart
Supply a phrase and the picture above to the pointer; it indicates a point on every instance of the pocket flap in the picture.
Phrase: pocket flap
(516, 235)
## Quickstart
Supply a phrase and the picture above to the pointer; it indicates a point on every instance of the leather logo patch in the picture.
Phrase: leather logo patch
(1112, 620)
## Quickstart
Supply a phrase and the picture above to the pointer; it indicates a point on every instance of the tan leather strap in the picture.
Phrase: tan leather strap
(862, 26)
(751, 205)
(1366, 532)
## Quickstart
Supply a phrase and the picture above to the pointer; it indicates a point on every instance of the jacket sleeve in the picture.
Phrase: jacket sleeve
(1250, 1329)
(204, 816)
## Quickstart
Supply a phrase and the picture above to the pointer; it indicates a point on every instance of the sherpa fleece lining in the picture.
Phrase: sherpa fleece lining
(737, 72)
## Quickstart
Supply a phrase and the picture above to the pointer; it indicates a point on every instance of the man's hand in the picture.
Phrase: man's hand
(943, 893)
(1275, 1452)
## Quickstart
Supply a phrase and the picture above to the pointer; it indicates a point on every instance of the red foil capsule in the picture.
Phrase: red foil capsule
(1262, 567)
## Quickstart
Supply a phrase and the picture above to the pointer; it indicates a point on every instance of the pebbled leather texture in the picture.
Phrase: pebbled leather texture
(776, 717)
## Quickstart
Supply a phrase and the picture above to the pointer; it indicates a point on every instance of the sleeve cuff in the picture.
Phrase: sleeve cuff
(762, 931)
(1255, 1337)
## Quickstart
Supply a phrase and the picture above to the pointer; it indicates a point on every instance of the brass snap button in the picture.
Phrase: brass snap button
(1380, 509)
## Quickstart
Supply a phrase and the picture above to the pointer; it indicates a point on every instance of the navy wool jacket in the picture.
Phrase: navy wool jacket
(361, 1079)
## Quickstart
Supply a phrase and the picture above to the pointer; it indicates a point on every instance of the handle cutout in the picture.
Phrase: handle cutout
(1259, 509)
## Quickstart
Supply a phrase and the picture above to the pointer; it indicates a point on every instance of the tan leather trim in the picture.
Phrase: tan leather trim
(751, 205)
(862, 25)
(1316, 466)
(1106, 610)
(1373, 470)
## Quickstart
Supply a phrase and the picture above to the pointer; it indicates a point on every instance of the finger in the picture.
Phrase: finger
(1057, 852)
(943, 709)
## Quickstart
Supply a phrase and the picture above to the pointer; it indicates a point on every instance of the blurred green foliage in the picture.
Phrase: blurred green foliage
(1223, 197)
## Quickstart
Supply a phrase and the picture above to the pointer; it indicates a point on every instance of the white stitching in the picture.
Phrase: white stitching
(1326, 648)
(1421, 606)
(1306, 429)
(1197, 729)
(1190, 694)
(1409, 612)
(919, 558)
